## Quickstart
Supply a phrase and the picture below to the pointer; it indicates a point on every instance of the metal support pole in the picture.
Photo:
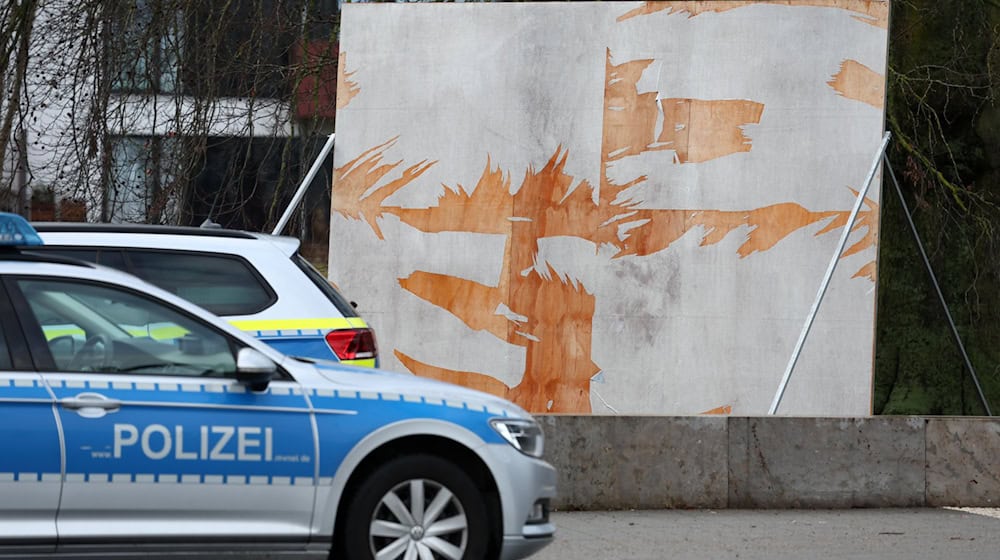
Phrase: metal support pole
(829, 275)
(317, 164)
(937, 288)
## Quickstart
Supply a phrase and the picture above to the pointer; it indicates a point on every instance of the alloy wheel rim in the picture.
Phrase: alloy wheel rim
(418, 519)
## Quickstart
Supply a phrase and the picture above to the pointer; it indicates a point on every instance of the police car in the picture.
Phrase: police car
(135, 422)
(258, 282)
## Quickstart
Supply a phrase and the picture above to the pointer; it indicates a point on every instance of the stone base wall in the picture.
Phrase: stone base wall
(652, 462)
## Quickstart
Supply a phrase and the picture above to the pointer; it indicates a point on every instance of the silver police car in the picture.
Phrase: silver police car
(134, 422)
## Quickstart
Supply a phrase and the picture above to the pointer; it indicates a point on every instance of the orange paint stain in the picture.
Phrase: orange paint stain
(696, 130)
(872, 12)
(629, 116)
(866, 220)
(557, 314)
(471, 302)
(484, 210)
(700, 130)
(691, 8)
(556, 335)
(656, 230)
(860, 83)
(352, 181)
(346, 88)
(554, 205)
(868, 271)
(720, 410)
(765, 226)
(473, 380)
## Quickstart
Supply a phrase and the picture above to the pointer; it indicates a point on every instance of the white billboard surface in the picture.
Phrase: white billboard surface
(614, 207)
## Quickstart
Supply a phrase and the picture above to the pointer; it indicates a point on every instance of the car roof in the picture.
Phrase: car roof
(61, 233)
(140, 228)
(27, 254)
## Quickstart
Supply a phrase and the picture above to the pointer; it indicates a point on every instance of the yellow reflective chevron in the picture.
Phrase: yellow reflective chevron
(292, 327)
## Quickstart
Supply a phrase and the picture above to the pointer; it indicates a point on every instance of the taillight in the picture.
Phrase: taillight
(352, 344)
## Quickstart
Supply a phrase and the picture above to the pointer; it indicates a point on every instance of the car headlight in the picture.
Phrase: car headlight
(525, 435)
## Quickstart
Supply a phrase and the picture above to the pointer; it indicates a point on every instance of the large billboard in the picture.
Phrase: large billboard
(614, 207)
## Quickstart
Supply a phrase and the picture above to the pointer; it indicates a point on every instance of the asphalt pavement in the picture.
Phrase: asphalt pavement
(883, 534)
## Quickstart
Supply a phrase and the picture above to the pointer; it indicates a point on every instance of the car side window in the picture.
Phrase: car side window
(89, 255)
(5, 362)
(95, 328)
(113, 258)
(222, 284)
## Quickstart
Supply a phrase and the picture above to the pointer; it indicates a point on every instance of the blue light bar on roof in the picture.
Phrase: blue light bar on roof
(15, 231)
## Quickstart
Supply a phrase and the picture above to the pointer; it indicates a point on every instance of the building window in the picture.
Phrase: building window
(147, 47)
(214, 49)
(240, 49)
(142, 187)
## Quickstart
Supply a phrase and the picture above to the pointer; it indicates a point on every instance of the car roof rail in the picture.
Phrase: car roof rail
(82, 227)
(27, 255)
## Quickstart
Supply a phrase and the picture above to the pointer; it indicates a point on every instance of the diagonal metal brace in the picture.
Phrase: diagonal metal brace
(937, 288)
(829, 275)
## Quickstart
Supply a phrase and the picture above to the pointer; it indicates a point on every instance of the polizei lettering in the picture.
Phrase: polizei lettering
(207, 443)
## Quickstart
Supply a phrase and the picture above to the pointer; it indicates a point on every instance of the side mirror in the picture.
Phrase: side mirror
(254, 369)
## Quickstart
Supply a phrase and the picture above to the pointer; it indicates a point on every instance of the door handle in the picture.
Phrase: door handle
(91, 405)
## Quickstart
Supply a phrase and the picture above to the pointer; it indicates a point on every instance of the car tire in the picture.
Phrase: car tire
(417, 503)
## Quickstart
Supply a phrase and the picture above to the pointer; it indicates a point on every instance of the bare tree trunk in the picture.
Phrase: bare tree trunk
(21, 21)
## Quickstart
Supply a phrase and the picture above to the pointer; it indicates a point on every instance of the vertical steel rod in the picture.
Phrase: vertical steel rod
(829, 275)
(937, 288)
(317, 164)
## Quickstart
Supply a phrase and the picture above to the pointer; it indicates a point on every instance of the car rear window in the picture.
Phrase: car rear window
(222, 284)
(325, 286)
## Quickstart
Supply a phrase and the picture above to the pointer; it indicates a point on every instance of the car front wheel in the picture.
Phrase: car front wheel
(418, 507)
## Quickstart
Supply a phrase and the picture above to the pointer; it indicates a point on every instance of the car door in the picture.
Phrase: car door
(30, 461)
(161, 440)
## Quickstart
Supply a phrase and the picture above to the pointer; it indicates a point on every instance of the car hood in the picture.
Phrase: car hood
(404, 385)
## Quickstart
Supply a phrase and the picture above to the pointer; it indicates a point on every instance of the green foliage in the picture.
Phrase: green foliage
(942, 110)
